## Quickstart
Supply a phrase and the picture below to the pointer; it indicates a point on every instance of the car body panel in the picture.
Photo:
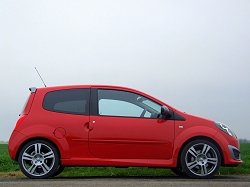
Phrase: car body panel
(130, 138)
(95, 140)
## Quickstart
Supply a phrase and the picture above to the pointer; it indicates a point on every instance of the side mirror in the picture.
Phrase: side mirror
(165, 111)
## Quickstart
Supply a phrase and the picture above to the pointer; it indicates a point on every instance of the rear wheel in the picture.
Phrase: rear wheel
(179, 171)
(200, 159)
(38, 159)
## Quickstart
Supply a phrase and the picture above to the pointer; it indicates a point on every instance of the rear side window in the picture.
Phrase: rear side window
(73, 101)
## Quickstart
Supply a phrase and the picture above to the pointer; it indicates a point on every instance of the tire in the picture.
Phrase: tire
(58, 171)
(179, 172)
(200, 159)
(38, 159)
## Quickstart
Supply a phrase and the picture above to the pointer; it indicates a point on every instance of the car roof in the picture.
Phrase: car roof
(85, 86)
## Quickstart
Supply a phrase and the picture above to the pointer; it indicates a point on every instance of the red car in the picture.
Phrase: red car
(96, 125)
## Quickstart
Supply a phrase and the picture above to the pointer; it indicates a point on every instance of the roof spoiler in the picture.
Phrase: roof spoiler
(32, 89)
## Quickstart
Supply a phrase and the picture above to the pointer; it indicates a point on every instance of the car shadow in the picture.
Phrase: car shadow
(217, 177)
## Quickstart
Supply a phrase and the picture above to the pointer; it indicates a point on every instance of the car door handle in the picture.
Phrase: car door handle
(88, 126)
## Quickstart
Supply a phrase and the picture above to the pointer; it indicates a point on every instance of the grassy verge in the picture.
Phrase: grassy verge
(243, 169)
(112, 171)
(9, 168)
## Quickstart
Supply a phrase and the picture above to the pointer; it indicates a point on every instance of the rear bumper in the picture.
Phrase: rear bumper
(14, 143)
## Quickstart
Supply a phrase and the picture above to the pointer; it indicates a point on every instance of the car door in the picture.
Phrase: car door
(127, 126)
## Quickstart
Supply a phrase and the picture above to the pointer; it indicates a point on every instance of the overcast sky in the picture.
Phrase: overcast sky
(193, 55)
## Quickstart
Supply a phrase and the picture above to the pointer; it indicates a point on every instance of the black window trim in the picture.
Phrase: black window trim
(72, 113)
(95, 107)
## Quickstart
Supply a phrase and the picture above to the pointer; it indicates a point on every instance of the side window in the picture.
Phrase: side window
(73, 101)
(109, 107)
(126, 104)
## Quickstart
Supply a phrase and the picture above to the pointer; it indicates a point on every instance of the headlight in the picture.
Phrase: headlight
(225, 128)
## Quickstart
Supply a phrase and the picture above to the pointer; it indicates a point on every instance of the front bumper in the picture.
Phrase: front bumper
(235, 153)
(230, 149)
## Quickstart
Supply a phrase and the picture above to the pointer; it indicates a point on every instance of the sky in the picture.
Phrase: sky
(193, 55)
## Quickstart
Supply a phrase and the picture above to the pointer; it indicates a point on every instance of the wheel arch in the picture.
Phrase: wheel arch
(41, 132)
(197, 138)
(37, 138)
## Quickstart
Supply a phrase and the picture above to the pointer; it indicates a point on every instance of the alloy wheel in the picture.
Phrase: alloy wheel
(200, 159)
(38, 159)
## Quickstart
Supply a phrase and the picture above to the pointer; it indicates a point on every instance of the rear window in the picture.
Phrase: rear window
(73, 101)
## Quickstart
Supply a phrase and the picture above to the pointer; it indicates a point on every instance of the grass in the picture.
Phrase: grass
(243, 169)
(6, 164)
(112, 171)
(9, 168)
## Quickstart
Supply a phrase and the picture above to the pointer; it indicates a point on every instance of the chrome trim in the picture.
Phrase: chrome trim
(232, 149)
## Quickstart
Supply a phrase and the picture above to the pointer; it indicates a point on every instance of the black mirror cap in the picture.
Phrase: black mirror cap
(165, 111)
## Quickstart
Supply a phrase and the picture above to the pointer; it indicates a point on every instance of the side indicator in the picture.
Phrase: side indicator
(180, 127)
(19, 121)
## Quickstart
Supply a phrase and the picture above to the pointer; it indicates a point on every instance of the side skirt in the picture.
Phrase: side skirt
(119, 162)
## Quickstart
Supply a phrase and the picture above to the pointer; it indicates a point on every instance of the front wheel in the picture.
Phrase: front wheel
(58, 171)
(200, 159)
(38, 159)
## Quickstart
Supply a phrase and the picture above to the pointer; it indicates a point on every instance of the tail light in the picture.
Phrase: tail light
(19, 121)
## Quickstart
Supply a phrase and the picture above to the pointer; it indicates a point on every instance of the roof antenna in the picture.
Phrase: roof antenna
(40, 77)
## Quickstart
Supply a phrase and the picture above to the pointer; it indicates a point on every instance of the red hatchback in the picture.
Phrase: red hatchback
(91, 125)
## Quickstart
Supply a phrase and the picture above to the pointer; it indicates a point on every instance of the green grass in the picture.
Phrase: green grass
(6, 164)
(112, 171)
(9, 168)
(244, 168)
